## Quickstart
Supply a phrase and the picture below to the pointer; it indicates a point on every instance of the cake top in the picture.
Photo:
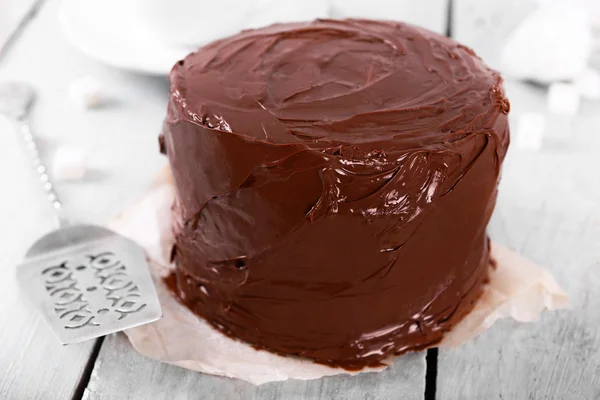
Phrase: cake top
(371, 84)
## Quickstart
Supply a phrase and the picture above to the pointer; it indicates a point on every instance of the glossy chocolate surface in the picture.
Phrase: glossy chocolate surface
(334, 180)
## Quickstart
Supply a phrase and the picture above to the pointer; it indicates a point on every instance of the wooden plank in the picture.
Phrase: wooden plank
(123, 373)
(123, 155)
(33, 365)
(556, 358)
(548, 211)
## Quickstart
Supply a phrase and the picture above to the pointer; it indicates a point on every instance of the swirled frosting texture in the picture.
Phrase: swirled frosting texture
(334, 180)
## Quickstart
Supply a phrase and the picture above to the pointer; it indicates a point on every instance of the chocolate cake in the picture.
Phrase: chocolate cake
(333, 181)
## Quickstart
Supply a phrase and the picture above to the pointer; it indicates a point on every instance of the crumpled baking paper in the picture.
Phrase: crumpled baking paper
(518, 289)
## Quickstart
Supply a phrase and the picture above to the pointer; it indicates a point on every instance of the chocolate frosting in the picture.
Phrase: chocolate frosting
(333, 181)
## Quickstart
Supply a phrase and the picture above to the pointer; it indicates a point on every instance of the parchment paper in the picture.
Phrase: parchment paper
(518, 289)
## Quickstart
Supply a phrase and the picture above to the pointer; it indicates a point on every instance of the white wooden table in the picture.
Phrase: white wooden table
(548, 210)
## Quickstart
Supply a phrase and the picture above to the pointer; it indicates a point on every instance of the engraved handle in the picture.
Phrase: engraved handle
(51, 195)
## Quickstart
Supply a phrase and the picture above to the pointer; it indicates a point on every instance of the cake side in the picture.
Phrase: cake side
(333, 182)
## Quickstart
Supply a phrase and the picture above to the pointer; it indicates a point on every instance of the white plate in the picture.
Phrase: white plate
(108, 31)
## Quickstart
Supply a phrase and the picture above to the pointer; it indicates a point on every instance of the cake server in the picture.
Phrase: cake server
(85, 280)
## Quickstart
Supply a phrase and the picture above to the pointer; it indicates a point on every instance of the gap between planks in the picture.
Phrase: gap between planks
(431, 360)
(86, 375)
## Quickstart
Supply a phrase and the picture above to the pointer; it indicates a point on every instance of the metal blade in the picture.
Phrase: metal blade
(87, 282)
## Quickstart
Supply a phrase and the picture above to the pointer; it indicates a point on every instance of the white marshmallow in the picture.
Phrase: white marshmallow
(563, 99)
(88, 92)
(69, 163)
(530, 131)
